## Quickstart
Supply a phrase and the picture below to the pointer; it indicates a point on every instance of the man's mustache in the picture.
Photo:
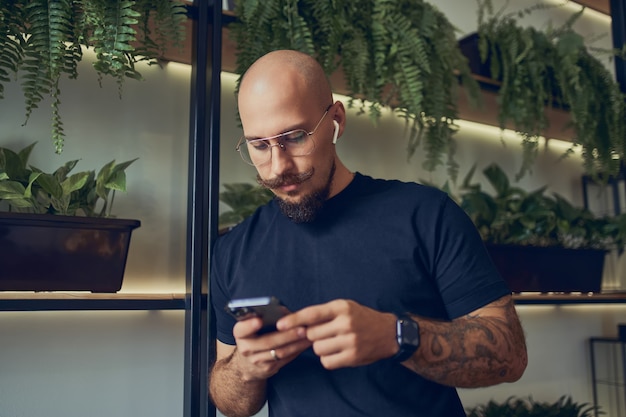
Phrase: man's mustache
(287, 179)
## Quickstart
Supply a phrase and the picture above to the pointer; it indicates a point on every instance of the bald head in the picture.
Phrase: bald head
(285, 91)
(285, 75)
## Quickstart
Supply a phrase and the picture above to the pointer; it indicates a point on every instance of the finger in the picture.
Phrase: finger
(338, 352)
(263, 365)
(327, 347)
(270, 361)
(289, 352)
(247, 328)
(338, 325)
(308, 316)
(336, 361)
(252, 345)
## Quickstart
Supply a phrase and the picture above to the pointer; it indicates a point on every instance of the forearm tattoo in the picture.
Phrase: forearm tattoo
(474, 350)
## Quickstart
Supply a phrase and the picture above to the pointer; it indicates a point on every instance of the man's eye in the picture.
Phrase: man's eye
(295, 137)
(259, 145)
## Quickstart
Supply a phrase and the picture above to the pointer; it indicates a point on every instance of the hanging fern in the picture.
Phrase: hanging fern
(398, 53)
(541, 68)
(11, 40)
(113, 32)
(521, 60)
(597, 110)
(46, 57)
(159, 27)
(42, 41)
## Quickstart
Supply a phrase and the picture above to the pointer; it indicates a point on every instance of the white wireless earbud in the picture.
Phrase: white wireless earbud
(336, 131)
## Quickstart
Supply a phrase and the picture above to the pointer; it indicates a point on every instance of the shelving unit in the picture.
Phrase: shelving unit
(59, 301)
(560, 299)
(67, 301)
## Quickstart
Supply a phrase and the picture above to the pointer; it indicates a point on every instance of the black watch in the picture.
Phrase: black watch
(408, 336)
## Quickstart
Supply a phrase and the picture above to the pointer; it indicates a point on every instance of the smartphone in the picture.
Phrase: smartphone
(269, 309)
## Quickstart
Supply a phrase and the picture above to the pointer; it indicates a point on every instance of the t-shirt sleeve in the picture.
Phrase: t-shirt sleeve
(466, 276)
(219, 296)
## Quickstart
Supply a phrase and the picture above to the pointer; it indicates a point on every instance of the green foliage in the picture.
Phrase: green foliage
(539, 68)
(161, 23)
(399, 53)
(27, 189)
(243, 199)
(512, 215)
(527, 407)
(11, 44)
(41, 41)
(113, 33)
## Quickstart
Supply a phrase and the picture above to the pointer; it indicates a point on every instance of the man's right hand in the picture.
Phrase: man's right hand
(258, 357)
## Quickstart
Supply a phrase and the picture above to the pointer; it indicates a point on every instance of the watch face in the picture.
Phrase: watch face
(409, 334)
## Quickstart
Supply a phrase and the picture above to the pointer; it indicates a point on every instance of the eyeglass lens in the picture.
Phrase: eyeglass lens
(294, 143)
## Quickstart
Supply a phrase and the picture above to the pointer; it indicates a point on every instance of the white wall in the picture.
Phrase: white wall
(71, 364)
(91, 363)
(120, 363)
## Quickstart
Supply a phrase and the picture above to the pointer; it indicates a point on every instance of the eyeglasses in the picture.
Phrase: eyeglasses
(298, 142)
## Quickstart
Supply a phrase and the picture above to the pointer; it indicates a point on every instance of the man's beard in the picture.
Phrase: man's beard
(310, 205)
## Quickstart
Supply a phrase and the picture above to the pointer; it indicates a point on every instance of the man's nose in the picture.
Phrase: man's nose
(281, 161)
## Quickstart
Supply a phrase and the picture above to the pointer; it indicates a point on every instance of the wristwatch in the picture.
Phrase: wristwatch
(408, 336)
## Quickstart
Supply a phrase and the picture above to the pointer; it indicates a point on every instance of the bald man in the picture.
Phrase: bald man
(394, 301)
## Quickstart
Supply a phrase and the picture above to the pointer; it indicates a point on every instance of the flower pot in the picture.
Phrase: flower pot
(63, 253)
(549, 269)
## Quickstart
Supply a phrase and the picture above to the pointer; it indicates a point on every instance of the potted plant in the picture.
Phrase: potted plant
(41, 41)
(527, 407)
(57, 232)
(537, 69)
(242, 199)
(400, 53)
(540, 242)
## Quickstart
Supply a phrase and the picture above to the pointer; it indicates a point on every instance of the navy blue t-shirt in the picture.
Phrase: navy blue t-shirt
(389, 245)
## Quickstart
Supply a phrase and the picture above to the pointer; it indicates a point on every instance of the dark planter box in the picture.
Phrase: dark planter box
(469, 48)
(549, 269)
(63, 253)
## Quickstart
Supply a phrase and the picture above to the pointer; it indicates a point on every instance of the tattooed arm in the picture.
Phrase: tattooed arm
(485, 347)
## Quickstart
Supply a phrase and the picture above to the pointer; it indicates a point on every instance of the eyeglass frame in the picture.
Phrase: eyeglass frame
(243, 141)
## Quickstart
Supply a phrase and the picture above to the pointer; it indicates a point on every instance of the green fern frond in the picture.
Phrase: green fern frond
(160, 26)
(11, 40)
(326, 34)
(554, 67)
(113, 32)
(251, 32)
(298, 32)
(58, 134)
(46, 56)
(597, 110)
(41, 40)
(399, 53)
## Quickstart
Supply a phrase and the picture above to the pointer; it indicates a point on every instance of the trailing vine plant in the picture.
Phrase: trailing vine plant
(541, 68)
(398, 53)
(42, 40)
